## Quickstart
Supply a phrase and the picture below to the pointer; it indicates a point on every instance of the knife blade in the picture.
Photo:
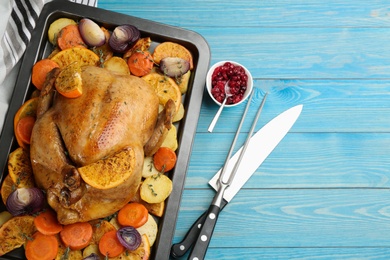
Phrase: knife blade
(260, 146)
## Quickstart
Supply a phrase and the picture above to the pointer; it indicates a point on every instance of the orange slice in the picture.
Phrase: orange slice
(171, 49)
(165, 88)
(111, 172)
(20, 169)
(29, 108)
(82, 56)
(7, 187)
(69, 82)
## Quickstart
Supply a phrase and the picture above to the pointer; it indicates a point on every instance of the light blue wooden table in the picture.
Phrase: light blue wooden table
(324, 193)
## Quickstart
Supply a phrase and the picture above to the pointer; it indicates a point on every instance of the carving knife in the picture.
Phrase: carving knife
(260, 146)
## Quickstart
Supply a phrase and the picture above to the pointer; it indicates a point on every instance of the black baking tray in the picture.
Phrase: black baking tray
(39, 47)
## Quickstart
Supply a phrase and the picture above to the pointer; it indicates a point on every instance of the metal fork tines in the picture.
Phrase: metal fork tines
(224, 184)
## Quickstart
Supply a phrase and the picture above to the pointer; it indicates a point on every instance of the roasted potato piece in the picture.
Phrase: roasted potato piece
(156, 209)
(117, 65)
(56, 26)
(149, 169)
(110, 172)
(15, 232)
(20, 169)
(179, 114)
(183, 82)
(170, 140)
(156, 188)
(150, 229)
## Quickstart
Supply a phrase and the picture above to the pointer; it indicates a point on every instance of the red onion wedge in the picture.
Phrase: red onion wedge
(123, 38)
(174, 66)
(129, 237)
(25, 201)
(91, 33)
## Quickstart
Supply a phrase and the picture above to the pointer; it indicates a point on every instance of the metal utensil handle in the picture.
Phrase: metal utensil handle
(225, 166)
(237, 164)
(206, 232)
(215, 119)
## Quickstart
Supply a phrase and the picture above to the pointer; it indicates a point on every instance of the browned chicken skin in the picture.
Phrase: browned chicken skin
(113, 113)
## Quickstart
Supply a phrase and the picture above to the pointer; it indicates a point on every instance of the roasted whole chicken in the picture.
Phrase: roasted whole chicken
(115, 113)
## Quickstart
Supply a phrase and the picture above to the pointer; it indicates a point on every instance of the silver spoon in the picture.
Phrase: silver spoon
(227, 95)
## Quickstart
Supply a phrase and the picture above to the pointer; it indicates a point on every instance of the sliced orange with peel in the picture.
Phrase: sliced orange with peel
(110, 172)
(20, 169)
(15, 232)
(7, 187)
(69, 82)
(165, 88)
(82, 56)
(172, 49)
(29, 108)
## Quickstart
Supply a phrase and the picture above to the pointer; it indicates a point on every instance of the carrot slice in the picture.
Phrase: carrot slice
(140, 63)
(76, 236)
(24, 129)
(133, 214)
(41, 247)
(40, 70)
(69, 37)
(109, 244)
(46, 223)
(164, 159)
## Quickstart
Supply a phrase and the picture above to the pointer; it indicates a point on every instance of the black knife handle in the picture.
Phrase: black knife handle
(202, 243)
(179, 249)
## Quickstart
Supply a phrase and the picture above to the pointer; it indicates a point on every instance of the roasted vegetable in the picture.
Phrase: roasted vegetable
(124, 37)
(129, 237)
(56, 26)
(15, 232)
(91, 33)
(25, 201)
(174, 67)
(150, 229)
(172, 49)
(156, 188)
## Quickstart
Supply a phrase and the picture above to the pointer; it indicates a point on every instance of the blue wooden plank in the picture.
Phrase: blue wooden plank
(303, 53)
(280, 13)
(329, 106)
(294, 218)
(335, 253)
(323, 160)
